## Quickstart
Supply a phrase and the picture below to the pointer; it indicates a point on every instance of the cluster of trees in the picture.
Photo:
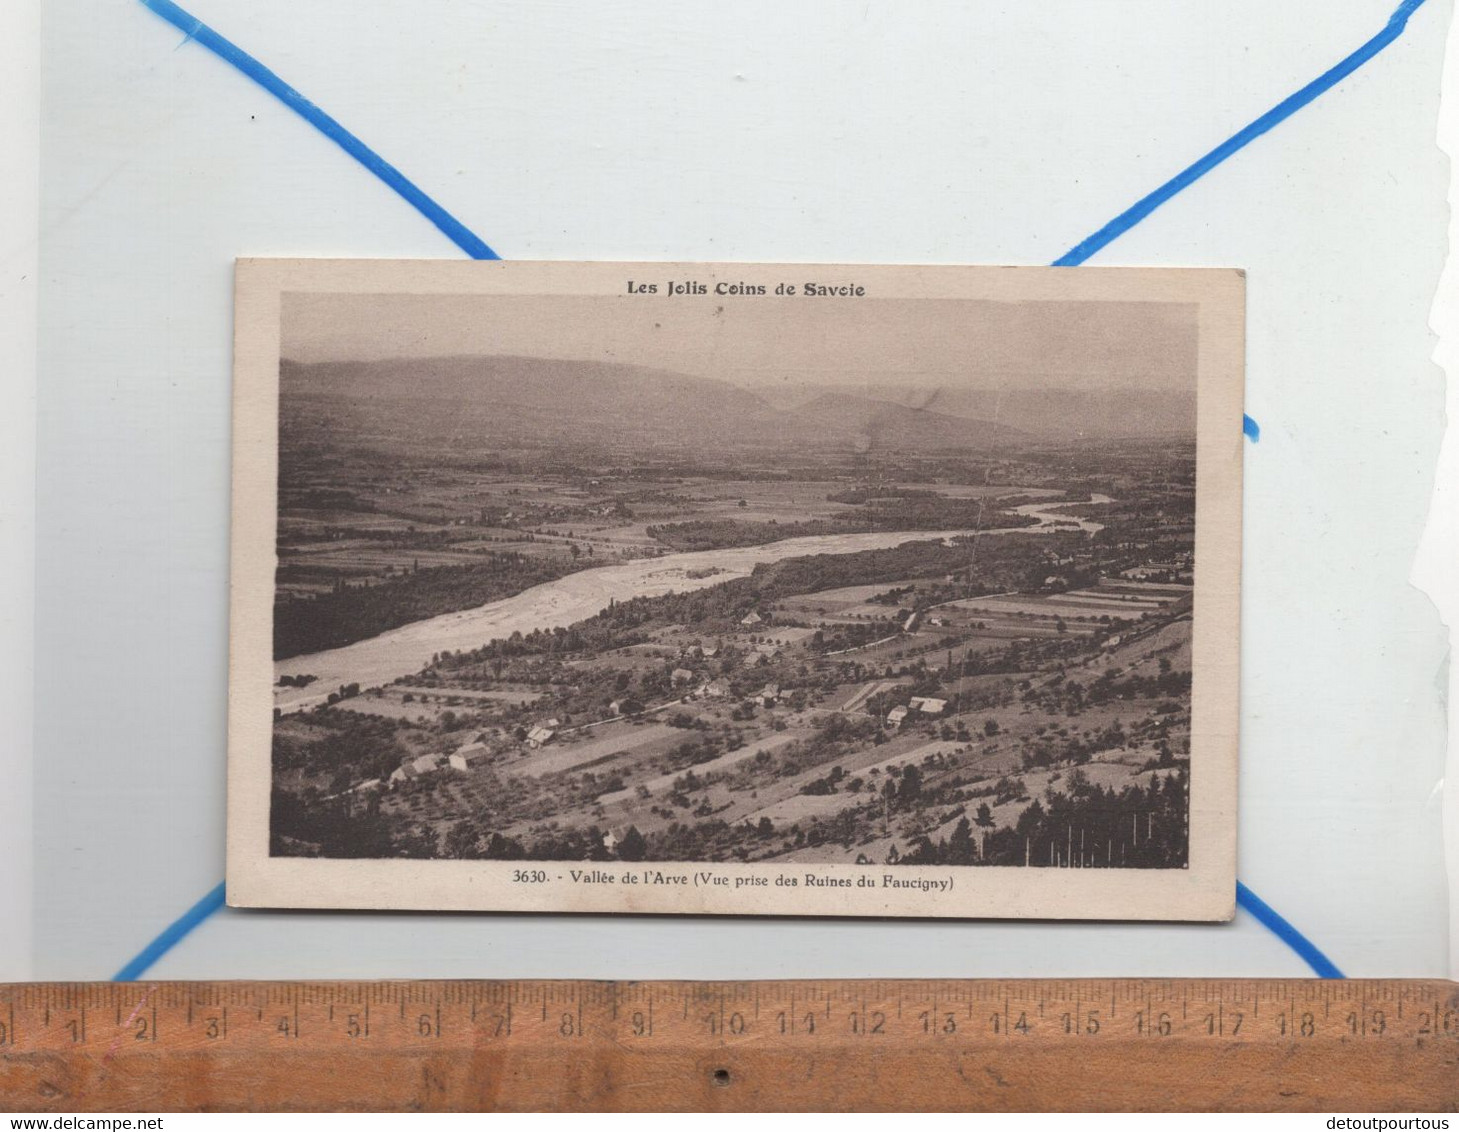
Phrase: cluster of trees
(353, 613)
(1083, 826)
(1069, 697)
(999, 564)
(701, 841)
(720, 534)
(894, 510)
(343, 828)
(844, 637)
(344, 747)
(470, 840)
(1047, 750)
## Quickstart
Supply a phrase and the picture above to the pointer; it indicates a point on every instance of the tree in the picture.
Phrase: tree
(985, 816)
(461, 841)
(911, 786)
(960, 844)
(633, 846)
(499, 848)
(420, 842)
(991, 728)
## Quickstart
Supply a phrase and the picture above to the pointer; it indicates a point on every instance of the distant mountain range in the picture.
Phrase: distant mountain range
(879, 423)
(531, 402)
(1041, 413)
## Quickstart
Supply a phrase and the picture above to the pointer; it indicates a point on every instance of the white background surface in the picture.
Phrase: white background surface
(937, 132)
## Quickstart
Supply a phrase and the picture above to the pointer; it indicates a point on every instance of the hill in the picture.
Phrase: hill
(522, 402)
(872, 423)
(1053, 412)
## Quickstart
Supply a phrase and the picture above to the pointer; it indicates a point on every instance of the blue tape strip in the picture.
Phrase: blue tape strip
(1250, 428)
(1277, 114)
(170, 936)
(201, 33)
(1278, 926)
(475, 247)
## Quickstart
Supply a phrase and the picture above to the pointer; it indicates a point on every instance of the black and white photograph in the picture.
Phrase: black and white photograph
(801, 589)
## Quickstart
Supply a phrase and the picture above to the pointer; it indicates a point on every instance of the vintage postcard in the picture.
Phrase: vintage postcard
(725, 588)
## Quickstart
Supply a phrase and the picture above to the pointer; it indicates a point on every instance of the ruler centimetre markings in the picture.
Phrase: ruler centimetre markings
(72, 1043)
(48, 1015)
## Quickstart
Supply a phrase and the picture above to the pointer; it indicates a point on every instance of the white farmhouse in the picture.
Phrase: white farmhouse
(471, 756)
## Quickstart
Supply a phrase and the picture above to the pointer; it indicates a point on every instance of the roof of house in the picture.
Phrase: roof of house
(897, 714)
(541, 734)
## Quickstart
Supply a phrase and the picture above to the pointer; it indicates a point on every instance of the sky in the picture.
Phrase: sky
(768, 341)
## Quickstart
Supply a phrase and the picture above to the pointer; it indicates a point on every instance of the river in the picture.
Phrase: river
(574, 597)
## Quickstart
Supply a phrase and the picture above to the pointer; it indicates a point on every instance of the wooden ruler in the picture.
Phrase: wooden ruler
(1357, 1046)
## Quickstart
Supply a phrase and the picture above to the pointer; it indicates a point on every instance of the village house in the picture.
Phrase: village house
(928, 705)
(540, 736)
(417, 768)
(470, 756)
(717, 690)
(751, 618)
(769, 695)
(681, 676)
(615, 707)
(897, 716)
